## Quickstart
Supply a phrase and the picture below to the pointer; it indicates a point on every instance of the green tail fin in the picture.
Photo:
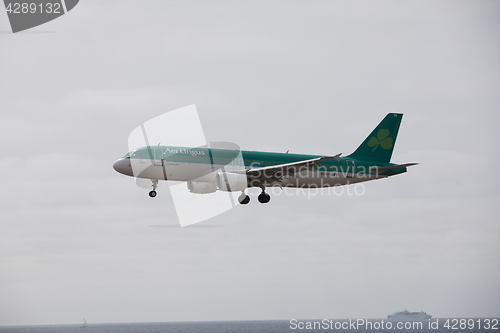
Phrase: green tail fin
(380, 143)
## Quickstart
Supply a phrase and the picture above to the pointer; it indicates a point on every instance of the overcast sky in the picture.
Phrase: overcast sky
(77, 239)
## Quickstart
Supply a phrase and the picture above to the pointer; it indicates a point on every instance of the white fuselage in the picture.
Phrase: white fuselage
(181, 171)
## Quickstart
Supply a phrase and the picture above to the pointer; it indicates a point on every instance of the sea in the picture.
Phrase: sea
(436, 325)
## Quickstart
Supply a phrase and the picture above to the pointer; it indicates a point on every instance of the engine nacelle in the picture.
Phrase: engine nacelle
(201, 187)
(231, 182)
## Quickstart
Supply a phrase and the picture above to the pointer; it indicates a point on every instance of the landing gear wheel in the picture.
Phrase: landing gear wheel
(154, 183)
(243, 199)
(264, 197)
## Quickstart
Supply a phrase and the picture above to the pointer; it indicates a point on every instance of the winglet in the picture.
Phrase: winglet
(328, 158)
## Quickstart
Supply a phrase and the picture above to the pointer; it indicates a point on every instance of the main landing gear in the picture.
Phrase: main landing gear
(264, 197)
(152, 193)
(243, 198)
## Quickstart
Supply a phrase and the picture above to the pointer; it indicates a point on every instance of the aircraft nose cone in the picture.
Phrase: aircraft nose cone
(122, 166)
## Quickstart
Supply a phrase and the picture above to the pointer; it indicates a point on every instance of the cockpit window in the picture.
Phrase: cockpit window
(136, 154)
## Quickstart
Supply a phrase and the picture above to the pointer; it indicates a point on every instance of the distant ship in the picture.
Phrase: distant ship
(408, 316)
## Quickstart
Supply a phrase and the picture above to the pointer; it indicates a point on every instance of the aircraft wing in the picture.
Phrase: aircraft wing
(269, 171)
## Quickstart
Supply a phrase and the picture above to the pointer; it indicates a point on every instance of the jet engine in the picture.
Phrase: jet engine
(201, 187)
(231, 182)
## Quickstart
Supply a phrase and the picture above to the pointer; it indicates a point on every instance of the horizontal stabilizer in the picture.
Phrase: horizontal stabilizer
(397, 166)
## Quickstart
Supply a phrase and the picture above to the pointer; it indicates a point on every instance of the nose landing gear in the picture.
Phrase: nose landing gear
(152, 193)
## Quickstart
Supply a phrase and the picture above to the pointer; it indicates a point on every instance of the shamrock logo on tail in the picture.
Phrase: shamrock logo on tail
(381, 140)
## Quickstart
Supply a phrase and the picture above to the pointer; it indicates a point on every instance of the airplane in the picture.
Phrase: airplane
(207, 169)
